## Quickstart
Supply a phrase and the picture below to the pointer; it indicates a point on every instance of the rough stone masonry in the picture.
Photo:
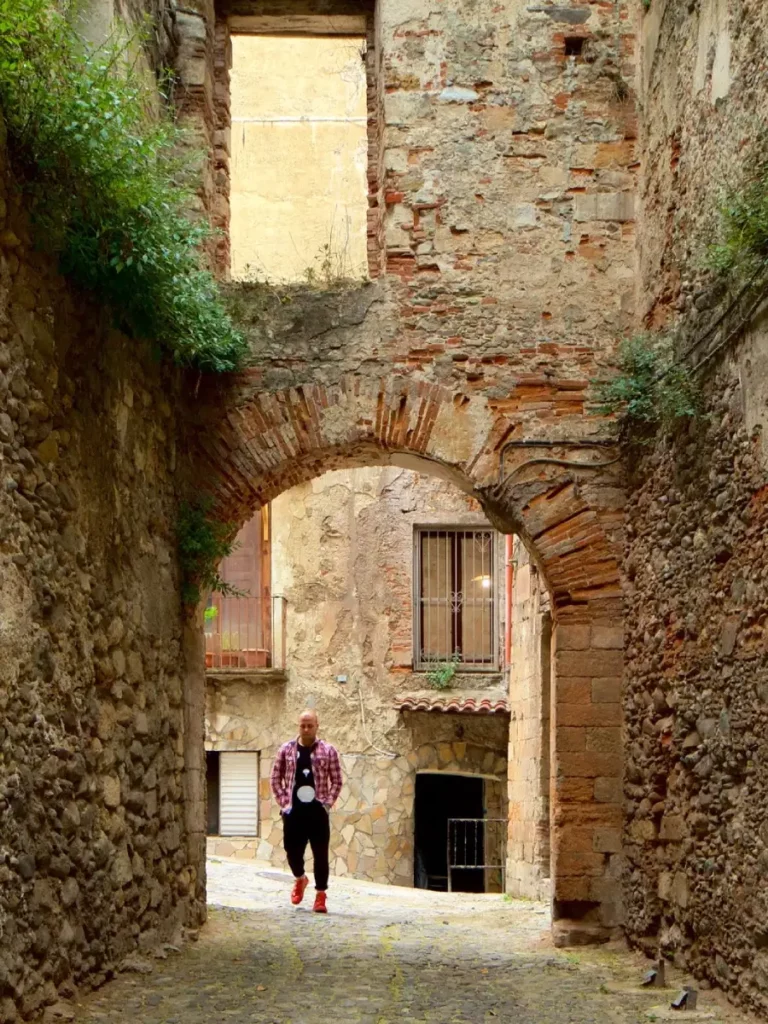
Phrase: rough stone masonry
(502, 164)
(696, 687)
(96, 857)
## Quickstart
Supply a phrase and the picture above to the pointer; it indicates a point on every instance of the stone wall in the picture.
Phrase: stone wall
(530, 695)
(95, 854)
(343, 558)
(696, 698)
(508, 161)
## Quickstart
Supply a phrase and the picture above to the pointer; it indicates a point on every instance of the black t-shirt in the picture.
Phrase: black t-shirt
(304, 784)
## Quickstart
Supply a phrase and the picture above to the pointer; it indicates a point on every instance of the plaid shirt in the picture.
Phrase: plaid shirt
(326, 769)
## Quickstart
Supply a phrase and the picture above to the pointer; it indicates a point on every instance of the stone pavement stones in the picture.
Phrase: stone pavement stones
(383, 955)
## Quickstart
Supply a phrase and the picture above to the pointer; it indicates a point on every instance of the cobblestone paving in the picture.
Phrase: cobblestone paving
(383, 955)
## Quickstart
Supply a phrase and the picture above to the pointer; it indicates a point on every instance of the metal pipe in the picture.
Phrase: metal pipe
(563, 443)
(509, 580)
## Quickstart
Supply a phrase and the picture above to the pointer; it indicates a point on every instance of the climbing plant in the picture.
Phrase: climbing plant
(650, 389)
(202, 543)
(99, 159)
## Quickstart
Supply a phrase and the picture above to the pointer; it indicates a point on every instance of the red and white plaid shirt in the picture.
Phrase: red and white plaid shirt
(326, 769)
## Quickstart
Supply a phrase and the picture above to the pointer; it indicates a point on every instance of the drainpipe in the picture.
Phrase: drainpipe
(508, 595)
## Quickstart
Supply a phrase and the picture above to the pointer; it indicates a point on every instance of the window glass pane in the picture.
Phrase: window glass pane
(457, 596)
(477, 596)
(436, 633)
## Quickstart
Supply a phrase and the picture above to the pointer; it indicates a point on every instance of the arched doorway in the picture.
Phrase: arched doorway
(562, 498)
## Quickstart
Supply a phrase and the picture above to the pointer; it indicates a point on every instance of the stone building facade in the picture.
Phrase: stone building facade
(506, 255)
(98, 849)
(696, 834)
(343, 558)
(501, 171)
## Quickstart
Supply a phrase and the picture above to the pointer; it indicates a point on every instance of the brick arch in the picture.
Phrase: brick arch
(268, 441)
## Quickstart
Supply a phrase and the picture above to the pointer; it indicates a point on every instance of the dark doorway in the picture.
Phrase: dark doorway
(438, 798)
(212, 790)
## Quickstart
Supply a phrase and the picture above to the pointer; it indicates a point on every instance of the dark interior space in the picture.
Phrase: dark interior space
(212, 790)
(438, 798)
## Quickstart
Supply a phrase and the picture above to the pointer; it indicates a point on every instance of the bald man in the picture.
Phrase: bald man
(306, 782)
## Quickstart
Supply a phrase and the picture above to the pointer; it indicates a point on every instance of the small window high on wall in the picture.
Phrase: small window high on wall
(456, 615)
(299, 194)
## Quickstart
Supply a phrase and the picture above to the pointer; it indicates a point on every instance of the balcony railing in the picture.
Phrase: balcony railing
(246, 632)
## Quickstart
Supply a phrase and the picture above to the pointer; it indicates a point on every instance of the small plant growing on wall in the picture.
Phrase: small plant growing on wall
(741, 251)
(202, 543)
(94, 147)
(442, 675)
(650, 390)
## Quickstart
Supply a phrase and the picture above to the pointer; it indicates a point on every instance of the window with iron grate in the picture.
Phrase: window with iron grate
(456, 615)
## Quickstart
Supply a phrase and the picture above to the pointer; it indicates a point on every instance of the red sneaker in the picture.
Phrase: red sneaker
(297, 893)
(320, 907)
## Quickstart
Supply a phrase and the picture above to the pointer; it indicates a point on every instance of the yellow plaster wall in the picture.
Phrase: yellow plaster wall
(299, 157)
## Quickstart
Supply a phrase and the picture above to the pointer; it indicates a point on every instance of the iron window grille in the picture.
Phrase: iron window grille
(455, 598)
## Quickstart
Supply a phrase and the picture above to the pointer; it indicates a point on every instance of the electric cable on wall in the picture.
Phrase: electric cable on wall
(384, 753)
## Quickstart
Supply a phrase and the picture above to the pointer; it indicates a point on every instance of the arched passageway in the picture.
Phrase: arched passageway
(563, 498)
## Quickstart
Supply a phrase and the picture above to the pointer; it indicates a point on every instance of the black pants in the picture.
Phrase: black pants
(308, 823)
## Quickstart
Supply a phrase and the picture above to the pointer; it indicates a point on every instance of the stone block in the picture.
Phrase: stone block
(607, 637)
(608, 789)
(591, 662)
(571, 739)
(679, 892)
(589, 765)
(573, 638)
(672, 828)
(612, 206)
(575, 691)
(574, 790)
(606, 690)
(588, 714)
(607, 840)
(604, 740)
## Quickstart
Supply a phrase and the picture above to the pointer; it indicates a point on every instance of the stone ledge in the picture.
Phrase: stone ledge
(254, 676)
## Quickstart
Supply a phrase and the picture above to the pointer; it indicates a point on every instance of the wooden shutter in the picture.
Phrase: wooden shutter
(239, 794)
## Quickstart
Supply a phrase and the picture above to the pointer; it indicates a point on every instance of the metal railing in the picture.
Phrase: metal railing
(455, 599)
(246, 632)
(478, 844)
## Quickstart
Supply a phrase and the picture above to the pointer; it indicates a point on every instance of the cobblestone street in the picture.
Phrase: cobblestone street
(383, 955)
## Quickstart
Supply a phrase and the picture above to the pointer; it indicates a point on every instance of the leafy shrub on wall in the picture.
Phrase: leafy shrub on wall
(109, 191)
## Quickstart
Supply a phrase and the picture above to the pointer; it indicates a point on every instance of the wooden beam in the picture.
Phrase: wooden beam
(298, 24)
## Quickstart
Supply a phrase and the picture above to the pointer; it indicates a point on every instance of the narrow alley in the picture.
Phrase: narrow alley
(384, 955)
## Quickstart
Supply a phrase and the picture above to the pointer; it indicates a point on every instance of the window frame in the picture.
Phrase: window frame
(493, 665)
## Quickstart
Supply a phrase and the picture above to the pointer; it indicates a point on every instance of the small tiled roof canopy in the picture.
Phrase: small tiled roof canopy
(453, 705)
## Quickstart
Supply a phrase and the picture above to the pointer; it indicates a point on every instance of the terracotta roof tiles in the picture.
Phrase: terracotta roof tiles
(454, 705)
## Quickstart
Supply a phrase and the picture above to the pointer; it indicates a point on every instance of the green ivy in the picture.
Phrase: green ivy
(650, 389)
(202, 543)
(108, 188)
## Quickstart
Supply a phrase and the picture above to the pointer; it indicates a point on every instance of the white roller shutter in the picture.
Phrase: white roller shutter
(239, 794)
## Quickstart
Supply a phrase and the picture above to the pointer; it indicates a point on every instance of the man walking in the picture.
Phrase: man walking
(306, 782)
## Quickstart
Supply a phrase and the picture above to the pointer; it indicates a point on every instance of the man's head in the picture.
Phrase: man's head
(308, 724)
